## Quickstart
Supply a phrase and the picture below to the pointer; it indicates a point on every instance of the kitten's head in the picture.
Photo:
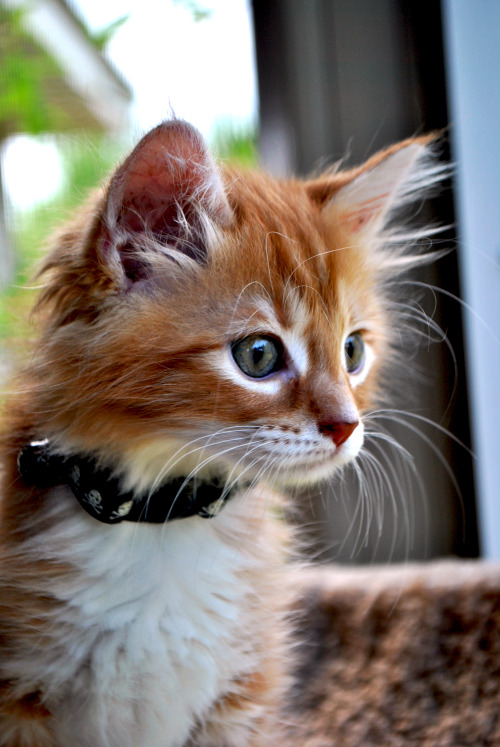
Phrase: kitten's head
(204, 320)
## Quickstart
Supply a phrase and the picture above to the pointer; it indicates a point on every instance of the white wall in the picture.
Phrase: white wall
(472, 39)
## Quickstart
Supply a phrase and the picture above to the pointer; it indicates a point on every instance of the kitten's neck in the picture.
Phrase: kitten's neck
(99, 491)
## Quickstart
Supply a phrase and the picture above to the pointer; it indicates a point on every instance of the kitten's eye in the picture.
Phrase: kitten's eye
(354, 348)
(258, 356)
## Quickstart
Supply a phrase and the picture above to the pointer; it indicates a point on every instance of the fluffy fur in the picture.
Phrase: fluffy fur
(137, 634)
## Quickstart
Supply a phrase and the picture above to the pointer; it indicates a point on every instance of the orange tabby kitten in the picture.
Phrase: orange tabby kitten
(210, 341)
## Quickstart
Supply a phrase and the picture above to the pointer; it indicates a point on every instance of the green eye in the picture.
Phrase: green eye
(258, 356)
(354, 348)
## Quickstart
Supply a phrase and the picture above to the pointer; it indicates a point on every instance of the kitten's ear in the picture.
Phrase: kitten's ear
(161, 201)
(364, 198)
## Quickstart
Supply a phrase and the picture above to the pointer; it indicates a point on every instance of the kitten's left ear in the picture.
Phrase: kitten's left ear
(162, 202)
(362, 200)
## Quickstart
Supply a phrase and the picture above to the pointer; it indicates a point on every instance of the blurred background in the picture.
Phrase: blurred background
(293, 85)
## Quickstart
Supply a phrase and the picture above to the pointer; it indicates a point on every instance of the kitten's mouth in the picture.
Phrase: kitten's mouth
(318, 465)
(307, 472)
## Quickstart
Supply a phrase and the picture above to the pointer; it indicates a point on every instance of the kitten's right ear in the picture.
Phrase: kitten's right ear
(364, 199)
(161, 201)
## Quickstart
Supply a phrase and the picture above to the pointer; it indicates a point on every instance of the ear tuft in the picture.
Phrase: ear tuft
(162, 198)
(365, 202)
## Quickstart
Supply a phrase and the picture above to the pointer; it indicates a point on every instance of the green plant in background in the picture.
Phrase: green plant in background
(103, 36)
(26, 70)
(85, 162)
(236, 145)
(29, 76)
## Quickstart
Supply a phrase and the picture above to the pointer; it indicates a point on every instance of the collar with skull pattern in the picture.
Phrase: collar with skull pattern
(98, 490)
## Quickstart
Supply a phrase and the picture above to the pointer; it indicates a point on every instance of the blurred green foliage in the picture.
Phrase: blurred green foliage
(198, 11)
(26, 71)
(103, 36)
(29, 77)
(85, 163)
(236, 146)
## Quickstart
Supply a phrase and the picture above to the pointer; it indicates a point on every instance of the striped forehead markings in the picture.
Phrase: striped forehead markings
(297, 351)
(295, 338)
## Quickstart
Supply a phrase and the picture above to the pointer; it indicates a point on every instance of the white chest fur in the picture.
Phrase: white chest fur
(154, 622)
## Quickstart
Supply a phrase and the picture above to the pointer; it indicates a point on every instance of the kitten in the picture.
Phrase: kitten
(210, 342)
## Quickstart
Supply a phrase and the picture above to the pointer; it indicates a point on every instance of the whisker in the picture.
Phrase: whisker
(460, 301)
(388, 413)
(207, 440)
(398, 416)
(203, 464)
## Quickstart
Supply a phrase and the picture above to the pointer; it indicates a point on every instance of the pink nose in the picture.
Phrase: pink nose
(338, 432)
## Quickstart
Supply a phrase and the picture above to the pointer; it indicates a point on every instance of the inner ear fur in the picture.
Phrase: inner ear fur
(363, 199)
(160, 200)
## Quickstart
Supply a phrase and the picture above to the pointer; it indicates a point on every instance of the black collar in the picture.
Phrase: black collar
(99, 493)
